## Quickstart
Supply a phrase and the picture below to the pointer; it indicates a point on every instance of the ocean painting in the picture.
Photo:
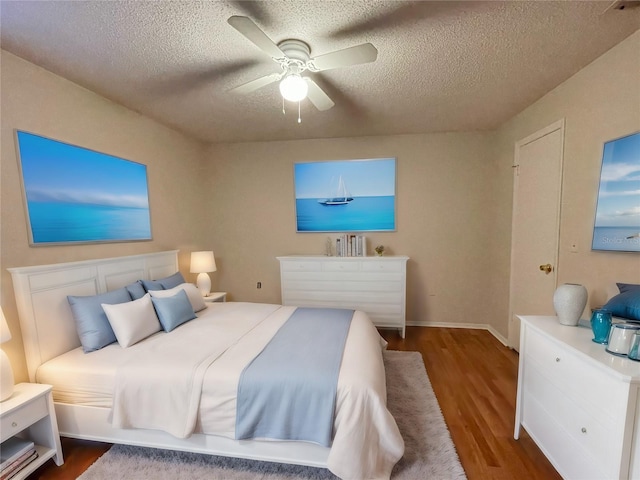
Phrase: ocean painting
(346, 195)
(617, 222)
(76, 195)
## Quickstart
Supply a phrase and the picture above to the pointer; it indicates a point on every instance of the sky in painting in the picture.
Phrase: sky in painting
(619, 194)
(62, 173)
(362, 178)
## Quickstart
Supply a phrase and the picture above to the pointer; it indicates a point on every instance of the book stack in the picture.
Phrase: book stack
(15, 454)
(350, 245)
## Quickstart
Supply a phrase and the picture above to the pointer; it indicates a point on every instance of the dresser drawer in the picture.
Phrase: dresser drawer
(589, 387)
(382, 266)
(341, 266)
(23, 417)
(586, 430)
(301, 266)
(570, 459)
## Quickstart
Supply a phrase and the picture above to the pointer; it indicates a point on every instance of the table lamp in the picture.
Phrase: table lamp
(6, 373)
(201, 263)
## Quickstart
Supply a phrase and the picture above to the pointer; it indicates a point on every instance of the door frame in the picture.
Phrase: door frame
(558, 125)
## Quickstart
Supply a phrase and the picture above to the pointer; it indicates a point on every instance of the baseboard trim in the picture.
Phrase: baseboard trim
(473, 326)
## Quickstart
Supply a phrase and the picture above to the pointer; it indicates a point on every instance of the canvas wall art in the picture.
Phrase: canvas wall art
(76, 195)
(346, 195)
(617, 220)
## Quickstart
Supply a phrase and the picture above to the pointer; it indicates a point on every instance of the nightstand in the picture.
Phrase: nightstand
(216, 297)
(29, 414)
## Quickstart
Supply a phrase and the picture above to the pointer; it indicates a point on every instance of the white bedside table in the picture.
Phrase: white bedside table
(216, 297)
(29, 413)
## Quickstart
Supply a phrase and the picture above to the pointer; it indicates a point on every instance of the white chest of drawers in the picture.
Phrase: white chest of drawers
(375, 285)
(579, 403)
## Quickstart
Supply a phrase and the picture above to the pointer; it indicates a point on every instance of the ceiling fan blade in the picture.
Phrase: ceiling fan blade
(254, 85)
(246, 27)
(317, 96)
(200, 77)
(255, 10)
(364, 53)
(405, 13)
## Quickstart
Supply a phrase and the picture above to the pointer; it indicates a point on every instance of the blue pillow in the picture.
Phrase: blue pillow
(92, 324)
(625, 305)
(151, 285)
(171, 281)
(625, 287)
(173, 311)
(136, 290)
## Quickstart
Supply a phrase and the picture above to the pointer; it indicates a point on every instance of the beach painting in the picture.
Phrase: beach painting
(76, 195)
(346, 195)
(617, 220)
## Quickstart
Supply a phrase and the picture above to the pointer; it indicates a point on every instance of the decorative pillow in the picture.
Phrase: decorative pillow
(195, 297)
(136, 290)
(625, 305)
(173, 311)
(626, 287)
(132, 321)
(151, 285)
(171, 281)
(92, 324)
(163, 283)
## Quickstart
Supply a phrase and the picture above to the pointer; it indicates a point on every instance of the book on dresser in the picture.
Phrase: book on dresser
(15, 454)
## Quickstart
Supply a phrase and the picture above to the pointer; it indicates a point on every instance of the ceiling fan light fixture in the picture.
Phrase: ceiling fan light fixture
(293, 88)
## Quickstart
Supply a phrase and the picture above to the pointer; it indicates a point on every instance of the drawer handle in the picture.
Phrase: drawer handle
(14, 424)
(583, 430)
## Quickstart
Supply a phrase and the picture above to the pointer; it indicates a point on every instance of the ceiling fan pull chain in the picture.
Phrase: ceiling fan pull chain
(283, 112)
(299, 119)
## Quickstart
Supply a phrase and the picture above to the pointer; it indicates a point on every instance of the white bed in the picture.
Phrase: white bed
(83, 383)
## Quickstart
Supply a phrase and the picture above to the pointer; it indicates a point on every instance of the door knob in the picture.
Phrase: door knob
(546, 268)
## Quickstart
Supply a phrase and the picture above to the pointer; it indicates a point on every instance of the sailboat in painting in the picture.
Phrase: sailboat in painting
(341, 197)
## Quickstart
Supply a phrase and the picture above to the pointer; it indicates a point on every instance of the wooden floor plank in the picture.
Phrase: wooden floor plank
(474, 378)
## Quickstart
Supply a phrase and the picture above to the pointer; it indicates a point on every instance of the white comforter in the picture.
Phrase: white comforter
(186, 381)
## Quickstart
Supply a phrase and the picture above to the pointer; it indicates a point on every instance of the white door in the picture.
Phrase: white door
(535, 225)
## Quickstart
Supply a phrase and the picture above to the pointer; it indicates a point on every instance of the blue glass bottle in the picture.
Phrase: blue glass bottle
(601, 324)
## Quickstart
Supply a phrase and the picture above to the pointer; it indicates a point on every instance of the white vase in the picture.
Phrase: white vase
(569, 301)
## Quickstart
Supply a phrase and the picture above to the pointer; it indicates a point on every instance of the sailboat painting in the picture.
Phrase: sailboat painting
(346, 195)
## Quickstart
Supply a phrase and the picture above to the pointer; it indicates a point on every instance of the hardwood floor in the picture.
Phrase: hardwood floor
(474, 377)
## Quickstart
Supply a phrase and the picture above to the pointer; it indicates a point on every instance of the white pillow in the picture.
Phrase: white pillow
(132, 321)
(195, 297)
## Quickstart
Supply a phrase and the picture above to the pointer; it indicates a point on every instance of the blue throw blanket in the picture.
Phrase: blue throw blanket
(288, 392)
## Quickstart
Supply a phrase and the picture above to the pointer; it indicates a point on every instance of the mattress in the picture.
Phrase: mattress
(362, 425)
(88, 379)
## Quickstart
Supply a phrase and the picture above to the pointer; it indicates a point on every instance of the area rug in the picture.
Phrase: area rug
(429, 450)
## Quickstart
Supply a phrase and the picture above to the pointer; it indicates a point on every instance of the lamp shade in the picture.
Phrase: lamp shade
(5, 333)
(202, 262)
(293, 88)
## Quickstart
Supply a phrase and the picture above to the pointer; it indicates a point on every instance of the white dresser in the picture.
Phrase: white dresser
(578, 402)
(375, 285)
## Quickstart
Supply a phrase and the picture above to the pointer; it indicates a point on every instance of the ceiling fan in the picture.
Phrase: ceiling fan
(294, 58)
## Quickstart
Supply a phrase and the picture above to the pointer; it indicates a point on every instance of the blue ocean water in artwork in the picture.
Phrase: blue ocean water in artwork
(621, 239)
(53, 222)
(360, 215)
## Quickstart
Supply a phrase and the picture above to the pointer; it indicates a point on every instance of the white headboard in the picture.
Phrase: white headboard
(47, 325)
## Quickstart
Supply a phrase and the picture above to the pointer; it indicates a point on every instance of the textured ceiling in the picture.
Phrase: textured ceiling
(442, 66)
